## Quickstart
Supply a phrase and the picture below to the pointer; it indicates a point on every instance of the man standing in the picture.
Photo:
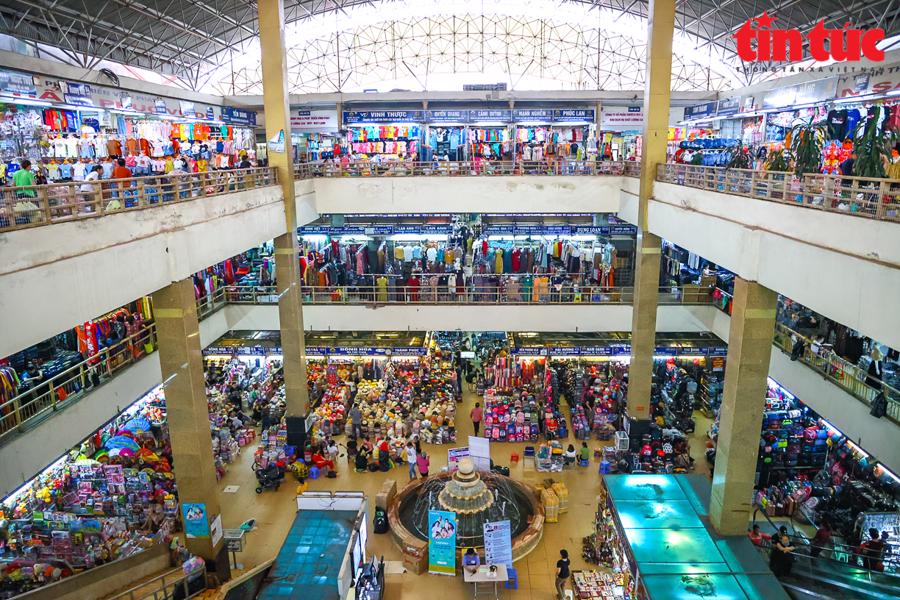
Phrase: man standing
(356, 421)
(476, 416)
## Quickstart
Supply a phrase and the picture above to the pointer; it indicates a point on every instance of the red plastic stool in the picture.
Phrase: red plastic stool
(514, 458)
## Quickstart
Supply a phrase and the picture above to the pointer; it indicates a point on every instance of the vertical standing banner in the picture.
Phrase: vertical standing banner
(441, 542)
(498, 543)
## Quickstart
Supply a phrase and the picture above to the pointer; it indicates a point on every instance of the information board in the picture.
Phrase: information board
(498, 543)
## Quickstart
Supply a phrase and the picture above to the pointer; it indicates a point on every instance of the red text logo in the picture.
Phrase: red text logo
(758, 41)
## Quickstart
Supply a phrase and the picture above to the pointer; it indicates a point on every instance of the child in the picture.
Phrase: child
(423, 462)
(301, 487)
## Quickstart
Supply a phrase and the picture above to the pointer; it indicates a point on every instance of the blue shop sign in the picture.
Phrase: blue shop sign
(17, 84)
(729, 106)
(238, 116)
(446, 116)
(535, 351)
(383, 116)
(542, 115)
(700, 111)
(574, 115)
(490, 115)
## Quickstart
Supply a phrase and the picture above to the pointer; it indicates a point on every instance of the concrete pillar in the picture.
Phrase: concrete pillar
(743, 403)
(181, 363)
(275, 99)
(661, 27)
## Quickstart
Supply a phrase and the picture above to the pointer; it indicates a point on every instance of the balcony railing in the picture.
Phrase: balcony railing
(459, 168)
(427, 294)
(22, 207)
(69, 385)
(832, 367)
(859, 196)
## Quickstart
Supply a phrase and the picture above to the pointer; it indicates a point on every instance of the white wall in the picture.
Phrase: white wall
(876, 436)
(844, 267)
(56, 276)
(29, 452)
(467, 318)
(500, 194)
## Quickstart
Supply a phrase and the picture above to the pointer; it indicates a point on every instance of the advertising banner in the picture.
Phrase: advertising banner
(441, 542)
(454, 455)
(17, 84)
(621, 118)
(498, 544)
(314, 120)
(196, 521)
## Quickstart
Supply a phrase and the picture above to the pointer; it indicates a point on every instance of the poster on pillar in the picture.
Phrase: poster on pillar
(196, 520)
(276, 144)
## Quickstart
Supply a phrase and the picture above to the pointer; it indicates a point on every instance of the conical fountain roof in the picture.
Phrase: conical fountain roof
(466, 493)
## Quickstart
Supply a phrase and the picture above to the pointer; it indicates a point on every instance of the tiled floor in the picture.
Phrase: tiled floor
(275, 511)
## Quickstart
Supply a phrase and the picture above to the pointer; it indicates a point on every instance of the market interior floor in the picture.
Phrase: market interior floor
(274, 513)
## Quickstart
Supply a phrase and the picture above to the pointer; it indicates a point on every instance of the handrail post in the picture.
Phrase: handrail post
(883, 188)
(141, 193)
(44, 201)
(17, 411)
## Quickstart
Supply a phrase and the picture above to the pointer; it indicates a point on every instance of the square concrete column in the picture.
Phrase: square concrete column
(661, 27)
(643, 324)
(181, 363)
(278, 127)
(743, 403)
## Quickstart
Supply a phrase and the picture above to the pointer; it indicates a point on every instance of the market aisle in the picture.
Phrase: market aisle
(274, 512)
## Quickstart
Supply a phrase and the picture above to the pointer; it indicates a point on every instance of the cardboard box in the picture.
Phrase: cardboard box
(386, 494)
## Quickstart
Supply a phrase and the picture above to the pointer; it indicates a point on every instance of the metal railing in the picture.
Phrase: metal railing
(33, 206)
(172, 584)
(829, 365)
(859, 196)
(837, 370)
(467, 168)
(427, 294)
(69, 385)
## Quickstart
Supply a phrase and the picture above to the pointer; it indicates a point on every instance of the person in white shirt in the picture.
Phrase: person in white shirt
(89, 188)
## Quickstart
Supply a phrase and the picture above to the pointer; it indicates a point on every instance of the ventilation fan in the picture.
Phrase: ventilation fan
(110, 75)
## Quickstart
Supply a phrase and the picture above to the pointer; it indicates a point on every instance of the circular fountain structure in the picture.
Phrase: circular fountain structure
(476, 498)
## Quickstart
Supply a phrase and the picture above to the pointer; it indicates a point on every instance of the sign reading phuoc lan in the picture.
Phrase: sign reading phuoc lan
(758, 40)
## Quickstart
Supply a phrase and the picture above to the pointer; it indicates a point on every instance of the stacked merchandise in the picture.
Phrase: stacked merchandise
(108, 499)
(596, 585)
(271, 448)
(394, 140)
(592, 260)
(710, 152)
(509, 418)
(331, 408)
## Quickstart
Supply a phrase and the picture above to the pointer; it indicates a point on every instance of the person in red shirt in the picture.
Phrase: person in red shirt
(120, 171)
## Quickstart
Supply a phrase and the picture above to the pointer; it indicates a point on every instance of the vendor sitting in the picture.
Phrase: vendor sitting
(471, 561)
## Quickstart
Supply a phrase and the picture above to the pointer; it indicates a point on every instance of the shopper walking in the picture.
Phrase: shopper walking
(411, 459)
(424, 463)
(476, 416)
(562, 574)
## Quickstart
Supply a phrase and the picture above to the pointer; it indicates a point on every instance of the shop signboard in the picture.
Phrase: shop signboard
(728, 106)
(498, 543)
(533, 115)
(442, 542)
(574, 115)
(564, 351)
(881, 81)
(17, 84)
(238, 116)
(530, 351)
(196, 520)
(159, 107)
(621, 118)
(488, 116)
(362, 117)
(78, 94)
(314, 120)
(700, 111)
(446, 116)
(804, 93)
